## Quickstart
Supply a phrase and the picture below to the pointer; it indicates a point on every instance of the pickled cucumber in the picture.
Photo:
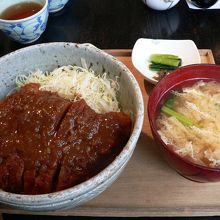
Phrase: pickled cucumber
(164, 62)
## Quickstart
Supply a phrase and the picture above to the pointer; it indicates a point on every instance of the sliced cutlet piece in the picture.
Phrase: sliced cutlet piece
(37, 116)
(43, 183)
(48, 172)
(11, 178)
(91, 142)
(66, 138)
(115, 130)
(43, 115)
(71, 173)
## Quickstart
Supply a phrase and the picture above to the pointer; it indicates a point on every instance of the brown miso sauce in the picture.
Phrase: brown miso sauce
(21, 10)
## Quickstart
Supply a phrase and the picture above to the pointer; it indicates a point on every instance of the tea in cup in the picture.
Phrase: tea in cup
(23, 21)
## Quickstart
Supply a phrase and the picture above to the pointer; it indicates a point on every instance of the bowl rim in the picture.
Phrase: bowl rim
(65, 194)
(153, 121)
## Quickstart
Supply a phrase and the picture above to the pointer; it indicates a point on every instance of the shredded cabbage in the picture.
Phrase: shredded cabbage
(75, 83)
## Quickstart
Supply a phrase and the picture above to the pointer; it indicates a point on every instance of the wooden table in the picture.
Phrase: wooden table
(148, 186)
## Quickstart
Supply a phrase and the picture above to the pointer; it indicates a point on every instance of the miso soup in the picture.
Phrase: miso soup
(189, 122)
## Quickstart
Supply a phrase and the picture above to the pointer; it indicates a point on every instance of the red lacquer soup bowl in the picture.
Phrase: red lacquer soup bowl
(182, 77)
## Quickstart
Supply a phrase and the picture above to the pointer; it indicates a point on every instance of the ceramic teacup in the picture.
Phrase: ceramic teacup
(56, 5)
(160, 4)
(28, 29)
